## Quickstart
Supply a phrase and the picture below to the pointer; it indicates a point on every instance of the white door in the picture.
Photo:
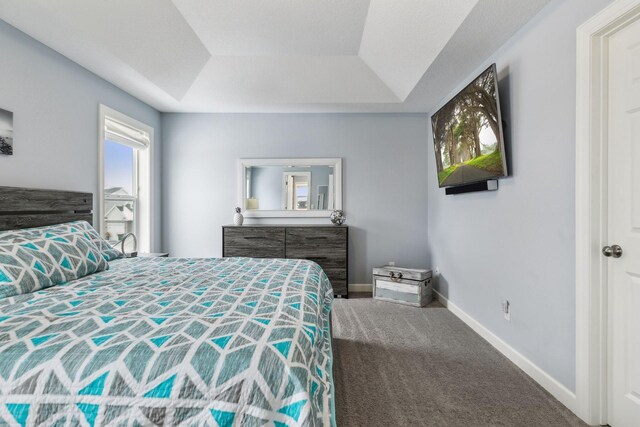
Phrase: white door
(289, 189)
(624, 228)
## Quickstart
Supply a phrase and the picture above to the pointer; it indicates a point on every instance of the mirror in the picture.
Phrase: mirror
(290, 187)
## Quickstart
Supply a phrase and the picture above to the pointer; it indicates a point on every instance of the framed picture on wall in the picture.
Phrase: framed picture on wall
(6, 132)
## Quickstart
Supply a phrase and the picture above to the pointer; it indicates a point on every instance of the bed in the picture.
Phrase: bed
(167, 341)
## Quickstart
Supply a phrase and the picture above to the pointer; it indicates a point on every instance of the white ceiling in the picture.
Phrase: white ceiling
(276, 28)
(276, 55)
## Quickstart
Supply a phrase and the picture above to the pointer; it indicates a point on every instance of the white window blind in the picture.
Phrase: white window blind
(124, 134)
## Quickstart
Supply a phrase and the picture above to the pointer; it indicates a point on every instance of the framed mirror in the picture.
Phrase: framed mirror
(304, 187)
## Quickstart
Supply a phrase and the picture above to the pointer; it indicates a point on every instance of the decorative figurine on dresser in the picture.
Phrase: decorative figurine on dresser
(238, 218)
(338, 217)
(327, 245)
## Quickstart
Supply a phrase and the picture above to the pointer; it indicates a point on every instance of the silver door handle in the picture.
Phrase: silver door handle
(614, 251)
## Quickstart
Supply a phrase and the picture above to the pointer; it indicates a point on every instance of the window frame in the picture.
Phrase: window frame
(143, 179)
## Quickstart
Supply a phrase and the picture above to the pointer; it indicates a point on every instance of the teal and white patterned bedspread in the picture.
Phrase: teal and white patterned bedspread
(168, 341)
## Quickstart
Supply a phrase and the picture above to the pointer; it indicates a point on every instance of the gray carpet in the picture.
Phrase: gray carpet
(403, 366)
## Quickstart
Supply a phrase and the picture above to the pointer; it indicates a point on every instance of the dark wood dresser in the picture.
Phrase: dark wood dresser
(325, 244)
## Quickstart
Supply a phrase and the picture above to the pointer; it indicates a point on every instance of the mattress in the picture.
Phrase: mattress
(170, 341)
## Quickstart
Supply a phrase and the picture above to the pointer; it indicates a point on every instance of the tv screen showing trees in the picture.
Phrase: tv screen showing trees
(467, 134)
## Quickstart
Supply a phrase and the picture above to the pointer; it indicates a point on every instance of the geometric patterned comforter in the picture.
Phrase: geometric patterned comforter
(170, 341)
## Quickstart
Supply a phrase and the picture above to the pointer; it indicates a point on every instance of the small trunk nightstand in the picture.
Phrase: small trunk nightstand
(408, 286)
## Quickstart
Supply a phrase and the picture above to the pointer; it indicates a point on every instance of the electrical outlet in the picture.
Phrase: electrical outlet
(506, 310)
(392, 263)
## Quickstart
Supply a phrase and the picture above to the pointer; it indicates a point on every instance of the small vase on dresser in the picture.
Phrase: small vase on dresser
(238, 218)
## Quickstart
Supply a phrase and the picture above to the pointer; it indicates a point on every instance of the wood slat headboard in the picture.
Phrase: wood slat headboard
(28, 207)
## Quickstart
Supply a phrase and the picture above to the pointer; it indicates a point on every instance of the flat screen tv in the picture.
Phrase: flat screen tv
(467, 134)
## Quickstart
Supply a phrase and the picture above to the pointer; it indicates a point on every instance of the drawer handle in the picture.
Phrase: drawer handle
(255, 237)
(315, 257)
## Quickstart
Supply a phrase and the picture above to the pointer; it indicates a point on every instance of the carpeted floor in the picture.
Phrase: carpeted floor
(403, 366)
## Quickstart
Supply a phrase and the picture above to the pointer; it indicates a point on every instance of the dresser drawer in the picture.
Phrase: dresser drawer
(254, 252)
(326, 246)
(337, 275)
(327, 258)
(338, 279)
(334, 265)
(324, 237)
(254, 242)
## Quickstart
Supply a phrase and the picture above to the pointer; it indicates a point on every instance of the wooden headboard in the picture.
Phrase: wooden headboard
(28, 207)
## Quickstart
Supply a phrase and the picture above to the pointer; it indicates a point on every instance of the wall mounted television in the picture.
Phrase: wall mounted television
(467, 134)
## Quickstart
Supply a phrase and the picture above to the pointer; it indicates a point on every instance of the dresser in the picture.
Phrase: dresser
(326, 245)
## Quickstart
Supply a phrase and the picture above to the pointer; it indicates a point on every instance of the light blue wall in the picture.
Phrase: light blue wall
(384, 176)
(55, 105)
(517, 243)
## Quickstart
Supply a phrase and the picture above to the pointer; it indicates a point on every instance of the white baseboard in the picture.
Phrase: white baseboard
(360, 287)
(557, 390)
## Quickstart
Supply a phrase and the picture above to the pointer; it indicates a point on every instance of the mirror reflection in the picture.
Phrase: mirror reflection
(290, 188)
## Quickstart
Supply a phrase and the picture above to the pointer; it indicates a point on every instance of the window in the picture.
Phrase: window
(125, 179)
(120, 190)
